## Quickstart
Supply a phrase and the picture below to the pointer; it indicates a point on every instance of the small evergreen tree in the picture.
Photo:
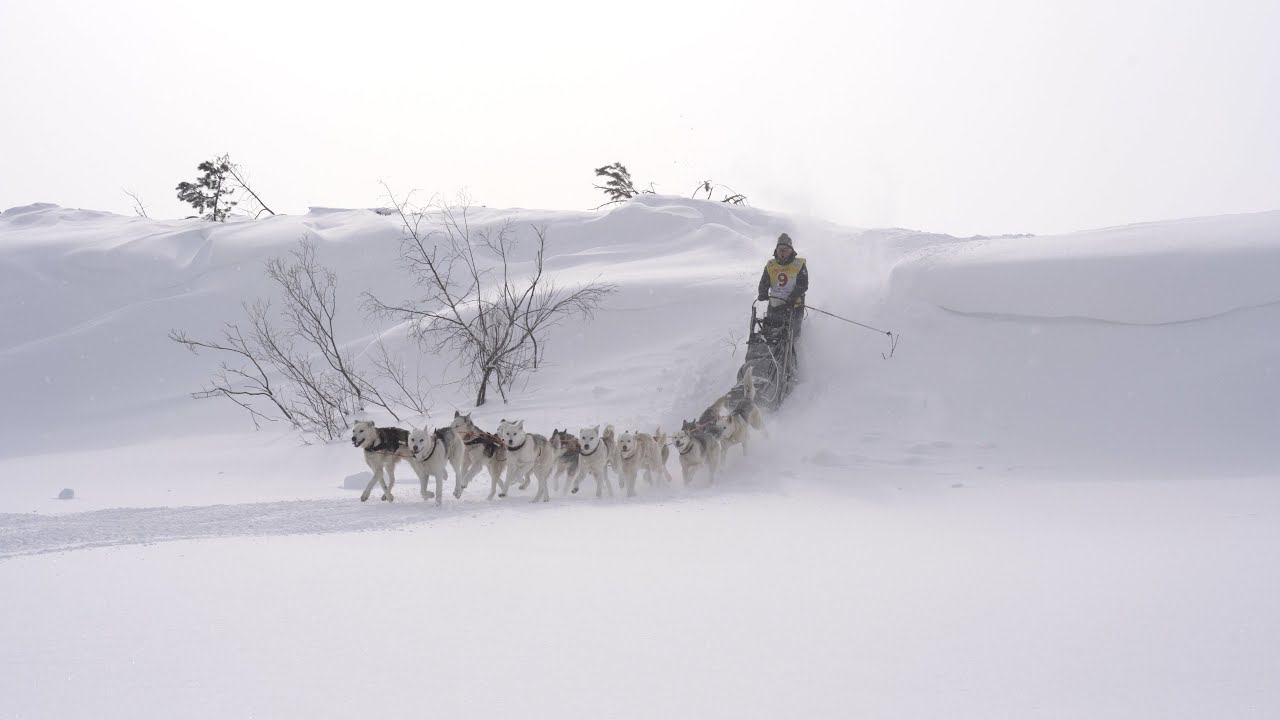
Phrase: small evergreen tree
(211, 191)
(619, 186)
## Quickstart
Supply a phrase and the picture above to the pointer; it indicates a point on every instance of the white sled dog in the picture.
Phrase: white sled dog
(639, 451)
(481, 451)
(745, 416)
(597, 454)
(430, 458)
(383, 448)
(528, 455)
(697, 448)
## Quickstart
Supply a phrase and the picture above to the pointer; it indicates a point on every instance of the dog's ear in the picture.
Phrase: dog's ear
(520, 424)
(596, 428)
(456, 413)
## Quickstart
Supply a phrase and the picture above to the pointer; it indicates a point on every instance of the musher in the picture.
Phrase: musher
(784, 283)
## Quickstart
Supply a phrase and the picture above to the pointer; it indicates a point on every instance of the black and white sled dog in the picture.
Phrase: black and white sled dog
(735, 427)
(697, 448)
(598, 454)
(430, 456)
(383, 447)
(640, 451)
(481, 451)
(528, 455)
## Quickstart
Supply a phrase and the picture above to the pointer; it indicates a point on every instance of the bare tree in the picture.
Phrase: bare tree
(243, 382)
(241, 178)
(316, 387)
(138, 208)
(479, 305)
(411, 394)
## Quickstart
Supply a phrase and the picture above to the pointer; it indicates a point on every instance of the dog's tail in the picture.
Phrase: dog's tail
(608, 433)
(664, 450)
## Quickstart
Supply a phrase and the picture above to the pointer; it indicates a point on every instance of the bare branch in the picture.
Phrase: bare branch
(138, 208)
(480, 304)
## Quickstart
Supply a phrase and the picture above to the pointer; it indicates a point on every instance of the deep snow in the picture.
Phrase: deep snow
(1057, 500)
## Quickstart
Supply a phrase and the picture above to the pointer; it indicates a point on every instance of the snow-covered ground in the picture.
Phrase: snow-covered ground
(1058, 499)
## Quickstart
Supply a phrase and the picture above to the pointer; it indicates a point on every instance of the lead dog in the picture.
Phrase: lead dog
(598, 452)
(482, 451)
(528, 454)
(639, 451)
(429, 457)
(696, 449)
(383, 448)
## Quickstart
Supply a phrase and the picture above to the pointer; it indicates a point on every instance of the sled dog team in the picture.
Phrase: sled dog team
(510, 455)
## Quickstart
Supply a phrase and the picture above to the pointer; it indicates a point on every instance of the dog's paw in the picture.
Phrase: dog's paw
(427, 494)
(364, 498)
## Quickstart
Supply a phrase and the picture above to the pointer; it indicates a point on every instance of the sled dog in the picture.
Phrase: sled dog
(596, 457)
(528, 455)
(745, 416)
(429, 456)
(639, 451)
(481, 451)
(383, 448)
(567, 450)
(696, 449)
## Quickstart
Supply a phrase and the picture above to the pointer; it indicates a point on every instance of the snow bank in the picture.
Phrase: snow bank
(1148, 274)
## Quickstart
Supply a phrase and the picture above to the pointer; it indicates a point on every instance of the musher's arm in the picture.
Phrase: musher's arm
(802, 285)
(763, 293)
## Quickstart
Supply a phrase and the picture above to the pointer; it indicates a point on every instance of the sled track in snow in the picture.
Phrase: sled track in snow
(24, 534)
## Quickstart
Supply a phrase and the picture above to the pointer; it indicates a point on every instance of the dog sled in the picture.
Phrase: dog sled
(771, 358)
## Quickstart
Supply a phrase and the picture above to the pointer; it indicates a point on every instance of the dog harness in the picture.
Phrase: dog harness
(435, 443)
(479, 437)
(389, 440)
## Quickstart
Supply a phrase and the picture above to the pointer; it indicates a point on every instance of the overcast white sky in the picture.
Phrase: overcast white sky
(961, 117)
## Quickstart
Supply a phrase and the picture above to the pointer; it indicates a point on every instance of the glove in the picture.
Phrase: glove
(763, 297)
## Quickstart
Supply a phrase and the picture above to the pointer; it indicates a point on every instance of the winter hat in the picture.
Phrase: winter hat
(785, 239)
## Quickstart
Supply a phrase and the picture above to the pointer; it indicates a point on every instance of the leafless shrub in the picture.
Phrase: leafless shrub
(413, 394)
(729, 195)
(288, 365)
(138, 208)
(477, 304)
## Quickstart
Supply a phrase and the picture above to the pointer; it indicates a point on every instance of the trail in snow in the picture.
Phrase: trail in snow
(32, 534)
(39, 534)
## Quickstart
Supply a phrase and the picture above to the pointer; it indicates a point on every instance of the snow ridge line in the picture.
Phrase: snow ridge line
(1065, 319)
